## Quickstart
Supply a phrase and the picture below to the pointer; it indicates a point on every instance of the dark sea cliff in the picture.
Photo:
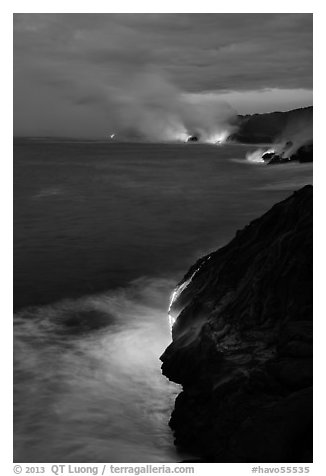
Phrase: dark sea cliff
(242, 343)
(102, 232)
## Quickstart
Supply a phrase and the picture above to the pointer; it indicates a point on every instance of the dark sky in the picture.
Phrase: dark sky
(74, 74)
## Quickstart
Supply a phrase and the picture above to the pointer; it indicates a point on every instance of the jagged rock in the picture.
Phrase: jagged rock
(303, 154)
(192, 139)
(278, 159)
(267, 156)
(242, 343)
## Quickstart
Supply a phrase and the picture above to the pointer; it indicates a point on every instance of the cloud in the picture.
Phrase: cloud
(74, 61)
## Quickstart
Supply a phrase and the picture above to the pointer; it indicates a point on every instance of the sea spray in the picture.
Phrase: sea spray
(257, 156)
(94, 393)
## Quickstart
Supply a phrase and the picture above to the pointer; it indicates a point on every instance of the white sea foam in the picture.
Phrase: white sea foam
(94, 395)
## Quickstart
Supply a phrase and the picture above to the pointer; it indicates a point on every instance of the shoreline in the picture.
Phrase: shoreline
(242, 344)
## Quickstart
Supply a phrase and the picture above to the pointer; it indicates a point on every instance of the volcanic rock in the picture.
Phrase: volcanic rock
(302, 154)
(242, 343)
(192, 139)
(270, 127)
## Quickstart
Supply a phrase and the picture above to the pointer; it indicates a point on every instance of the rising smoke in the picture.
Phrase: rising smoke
(296, 133)
(151, 107)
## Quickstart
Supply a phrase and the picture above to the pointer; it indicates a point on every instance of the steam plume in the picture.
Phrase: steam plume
(150, 107)
(296, 134)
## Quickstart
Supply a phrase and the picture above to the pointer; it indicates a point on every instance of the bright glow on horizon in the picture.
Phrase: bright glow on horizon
(217, 138)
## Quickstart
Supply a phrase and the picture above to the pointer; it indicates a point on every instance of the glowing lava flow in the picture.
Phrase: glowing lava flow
(174, 296)
(177, 291)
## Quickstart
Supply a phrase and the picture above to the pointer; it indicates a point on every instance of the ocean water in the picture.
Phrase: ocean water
(102, 233)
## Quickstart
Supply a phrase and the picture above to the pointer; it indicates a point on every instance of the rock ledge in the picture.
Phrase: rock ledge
(242, 343)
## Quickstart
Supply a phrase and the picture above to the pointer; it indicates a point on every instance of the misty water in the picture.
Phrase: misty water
(102, 233)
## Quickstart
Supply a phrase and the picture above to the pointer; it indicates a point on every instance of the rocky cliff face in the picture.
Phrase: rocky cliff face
(242, 343)
(273, 126)
(302, 154)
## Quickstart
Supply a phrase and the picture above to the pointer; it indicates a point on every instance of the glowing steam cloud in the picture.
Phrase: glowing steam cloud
(297, 133)
(150, 107)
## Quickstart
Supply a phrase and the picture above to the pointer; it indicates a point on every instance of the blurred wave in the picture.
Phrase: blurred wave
(88, 385)
(89, 217)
